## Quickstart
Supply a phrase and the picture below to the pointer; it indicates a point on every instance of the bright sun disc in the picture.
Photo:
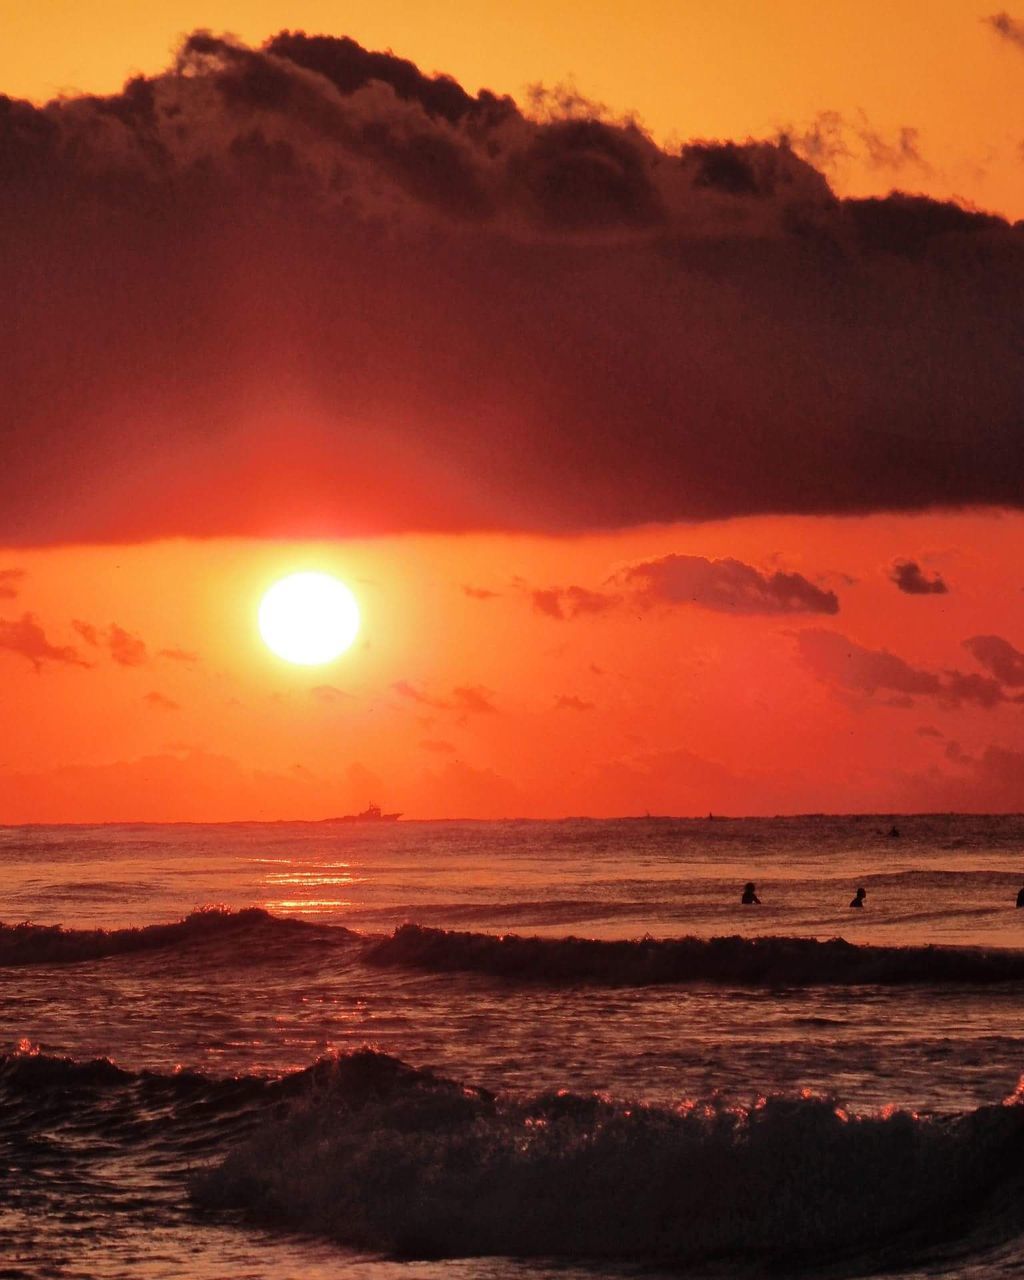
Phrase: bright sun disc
(308, 618)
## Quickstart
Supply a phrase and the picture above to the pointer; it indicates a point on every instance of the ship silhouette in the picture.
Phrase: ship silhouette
(372, 813)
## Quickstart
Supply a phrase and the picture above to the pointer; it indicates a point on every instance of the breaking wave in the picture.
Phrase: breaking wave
(377, 1154)
(28, 943)
(731, 960)
(419, 1166)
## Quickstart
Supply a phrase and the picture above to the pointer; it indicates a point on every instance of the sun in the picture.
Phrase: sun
(308, 618)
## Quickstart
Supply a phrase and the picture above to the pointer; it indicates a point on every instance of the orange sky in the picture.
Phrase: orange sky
(472, 689)
(645, 706)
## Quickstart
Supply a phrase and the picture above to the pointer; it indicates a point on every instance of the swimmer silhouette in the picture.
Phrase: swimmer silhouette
(1020, 898)
(894, 833)
(859, 897)
(750, 897)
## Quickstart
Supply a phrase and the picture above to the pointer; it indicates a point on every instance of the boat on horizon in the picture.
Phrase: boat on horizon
(372, 813)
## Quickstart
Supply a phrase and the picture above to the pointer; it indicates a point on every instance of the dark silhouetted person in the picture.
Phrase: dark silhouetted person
(1020, 897)
(894, 832)
(858, 898)
(750, 897)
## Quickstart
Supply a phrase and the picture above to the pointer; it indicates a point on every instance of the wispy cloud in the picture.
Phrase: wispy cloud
(27, 639)
(1008, 27)
(160, 701)
(126, 649)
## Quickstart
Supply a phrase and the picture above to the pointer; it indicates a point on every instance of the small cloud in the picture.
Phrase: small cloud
(160, 701)
(437, 746)
(406, 690)
(929, 731)
(328, 694)
(10, 583)
(1009, 28)
(474, 698)
(126, 650)
(27, 639)
(87, 631)
(179, 655)
(480, 593)
(908, 576)
(999, 657)
(548, 603)
(571, 602)
(726, 586)
(569, 702)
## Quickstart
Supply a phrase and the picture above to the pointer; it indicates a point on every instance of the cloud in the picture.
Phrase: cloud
(726, 586)
(832, 139)
(480, 593)
(27, 639)
(655, 335)
(10, 583)
(87, 631)
(160, 701)
(571, 602)
(328, 694)
(999, 657)
(406, 690)
(908, 576)
(438, 746)
(1009, 28)
(126, 649)
(466, 698)
(474, 698)
(929, 731)
(570, 702)
(188, 656)
(852, 667)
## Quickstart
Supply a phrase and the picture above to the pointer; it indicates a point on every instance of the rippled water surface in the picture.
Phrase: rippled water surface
(97, 1188)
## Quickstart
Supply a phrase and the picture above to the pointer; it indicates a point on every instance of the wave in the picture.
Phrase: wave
(423, 1167)
(27, 943)
(731, 960)
(216, 936)
(378, 1154)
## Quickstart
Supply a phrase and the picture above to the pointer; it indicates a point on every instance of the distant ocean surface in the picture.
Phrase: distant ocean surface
(483, 1049)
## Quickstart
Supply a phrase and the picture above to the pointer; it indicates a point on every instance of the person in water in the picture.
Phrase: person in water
(750, 897)
(858, 898)
(1020, 897)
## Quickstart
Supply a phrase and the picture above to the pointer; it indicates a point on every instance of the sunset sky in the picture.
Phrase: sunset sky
(675, 464)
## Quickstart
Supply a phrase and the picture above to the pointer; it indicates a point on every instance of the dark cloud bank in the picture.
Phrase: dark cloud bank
(306, 289)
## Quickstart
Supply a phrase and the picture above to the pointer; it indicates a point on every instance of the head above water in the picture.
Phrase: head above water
(749, 887)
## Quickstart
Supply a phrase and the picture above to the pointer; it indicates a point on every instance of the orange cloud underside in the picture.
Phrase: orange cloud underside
(460, 702)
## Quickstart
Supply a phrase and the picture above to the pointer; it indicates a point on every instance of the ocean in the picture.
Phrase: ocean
(513, 1049)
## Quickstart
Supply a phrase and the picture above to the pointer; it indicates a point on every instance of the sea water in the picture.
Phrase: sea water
(311, 1088)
